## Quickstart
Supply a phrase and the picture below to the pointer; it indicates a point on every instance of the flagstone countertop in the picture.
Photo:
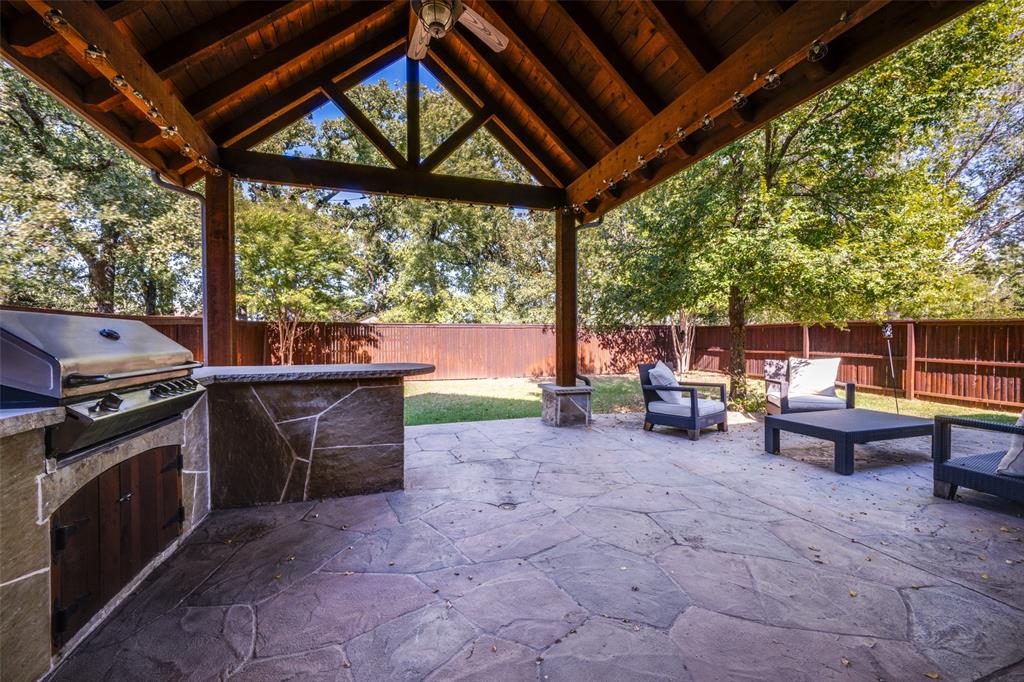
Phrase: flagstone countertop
(19, 420)
(283, 373)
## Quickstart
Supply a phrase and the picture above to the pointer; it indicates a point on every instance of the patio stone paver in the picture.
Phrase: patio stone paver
(524, 552)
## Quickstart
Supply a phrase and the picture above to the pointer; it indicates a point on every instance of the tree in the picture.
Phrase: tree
(292, 266)
(833, 211)
(83, 226)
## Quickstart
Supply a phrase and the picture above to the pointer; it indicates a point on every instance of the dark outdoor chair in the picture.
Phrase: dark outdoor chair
(699, 413)
(977, 472)
(783, 396)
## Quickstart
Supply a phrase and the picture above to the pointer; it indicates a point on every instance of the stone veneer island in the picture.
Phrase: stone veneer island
(291, 433)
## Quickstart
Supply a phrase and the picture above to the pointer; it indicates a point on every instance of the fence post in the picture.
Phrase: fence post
(911, 363)
(806, 342)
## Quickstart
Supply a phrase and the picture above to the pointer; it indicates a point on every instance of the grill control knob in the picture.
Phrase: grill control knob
(158, 391)
(109, 403)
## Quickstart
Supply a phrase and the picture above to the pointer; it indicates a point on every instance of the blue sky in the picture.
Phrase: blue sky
(392, 74)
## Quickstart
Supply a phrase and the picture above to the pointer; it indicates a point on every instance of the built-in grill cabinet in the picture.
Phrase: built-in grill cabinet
(110, 530)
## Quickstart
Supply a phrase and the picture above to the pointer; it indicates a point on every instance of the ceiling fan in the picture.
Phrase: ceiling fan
(437, 17)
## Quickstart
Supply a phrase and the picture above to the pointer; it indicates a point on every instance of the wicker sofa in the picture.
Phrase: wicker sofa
(977, 472)
(696, 414)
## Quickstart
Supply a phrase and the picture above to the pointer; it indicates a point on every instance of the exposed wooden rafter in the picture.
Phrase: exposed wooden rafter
(602, 50)
(504, 17)
(323, 174)
(783, 42)
(472, 96)
(259, 71)
(356, 116)
(672, 22)
(30, 36)
(539, 115)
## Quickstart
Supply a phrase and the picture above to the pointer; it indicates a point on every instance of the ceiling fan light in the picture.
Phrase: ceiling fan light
(438, 16)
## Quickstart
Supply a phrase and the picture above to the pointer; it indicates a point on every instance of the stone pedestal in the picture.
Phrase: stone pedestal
(565, 405)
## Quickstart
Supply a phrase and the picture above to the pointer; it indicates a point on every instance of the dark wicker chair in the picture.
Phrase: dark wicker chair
(977, 472)
(694, 420)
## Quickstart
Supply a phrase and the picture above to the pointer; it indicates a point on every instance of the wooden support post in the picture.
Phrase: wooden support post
(911, 362)
(219, 272)
(412, 108)
(565, 297)
(806, 350)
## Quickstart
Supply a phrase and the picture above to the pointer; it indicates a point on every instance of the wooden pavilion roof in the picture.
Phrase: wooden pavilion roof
(598, 100)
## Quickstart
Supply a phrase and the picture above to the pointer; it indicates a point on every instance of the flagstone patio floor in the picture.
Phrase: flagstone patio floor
(525, 552)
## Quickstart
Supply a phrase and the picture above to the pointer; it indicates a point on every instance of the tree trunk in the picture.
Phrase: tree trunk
(737, 343)
(682, 340)
(149, 296)
(101, 284)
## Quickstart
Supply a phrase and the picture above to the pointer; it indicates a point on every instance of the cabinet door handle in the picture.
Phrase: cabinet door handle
(124, 498)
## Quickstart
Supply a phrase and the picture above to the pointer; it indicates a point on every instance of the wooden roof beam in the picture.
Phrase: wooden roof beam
(682, 35)
(364, 125)
(359, 62)
(781, 45)
(504, 17)
(603, 50)
(257, 72)
(547, 120)
(323, 174)
(32, 37)
(88, 24)
(455, 140)
(199, 42)
(471, 94)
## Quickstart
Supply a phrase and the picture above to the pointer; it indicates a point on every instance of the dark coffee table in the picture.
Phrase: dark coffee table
(844, 428)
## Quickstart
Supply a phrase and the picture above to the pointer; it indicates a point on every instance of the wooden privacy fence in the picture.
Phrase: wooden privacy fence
(974, 362)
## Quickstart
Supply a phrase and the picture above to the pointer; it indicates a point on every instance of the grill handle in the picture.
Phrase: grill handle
(76, 379)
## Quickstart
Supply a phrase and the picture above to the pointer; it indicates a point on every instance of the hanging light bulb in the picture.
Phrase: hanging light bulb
(186, 150)
(153, 112)
(93, 52)
(660, 151)
(119, 82)
(625, 174)
(708, 122)
(437, 16)
(739, 100)
(680, 133)
(168, 132)
(817, 51)
(641, 162)
(772, 80)
(217, 172)
(55, 18)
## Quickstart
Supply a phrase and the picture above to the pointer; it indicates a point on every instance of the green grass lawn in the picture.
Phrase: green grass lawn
(438, 402)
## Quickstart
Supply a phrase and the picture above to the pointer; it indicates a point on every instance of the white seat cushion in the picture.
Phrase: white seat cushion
(661, 375)
(704, 407)
(808, 403)
(1012, 464)
(812, 377)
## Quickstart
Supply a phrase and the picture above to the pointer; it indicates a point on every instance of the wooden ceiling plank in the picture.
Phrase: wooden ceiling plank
(524, 95)
(362, 60)
(504, 17)
(254, 74)
(404, 182)
(591, 35)
(356, 116)
(888, 27)
(455, 140)
(509, 134)
(201, 41)
(683, 36)
(94, 27)
(55, 81)
(29, 34)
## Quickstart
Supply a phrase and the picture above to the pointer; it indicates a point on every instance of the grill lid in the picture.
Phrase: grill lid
(60, 355)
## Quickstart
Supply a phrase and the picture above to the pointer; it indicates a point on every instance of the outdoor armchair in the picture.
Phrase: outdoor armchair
(803, 385)
(977, 472)
(693, 413)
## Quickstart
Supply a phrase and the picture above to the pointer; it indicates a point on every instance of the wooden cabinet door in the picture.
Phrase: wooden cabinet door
(108, 531)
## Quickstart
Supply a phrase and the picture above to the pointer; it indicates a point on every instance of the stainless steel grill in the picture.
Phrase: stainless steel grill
(113, 376)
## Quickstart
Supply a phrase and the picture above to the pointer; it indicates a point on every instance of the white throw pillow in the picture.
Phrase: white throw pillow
(813, 377)
(1012, 464)
(661, 375)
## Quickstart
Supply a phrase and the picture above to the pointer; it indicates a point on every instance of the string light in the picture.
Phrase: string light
(119, 82)
(168, 132)
(186, 149)
(739, 100)
(817, 51)
(153, 112)
(55, 18)
(772, 80)
(708, 122)
(93, 52)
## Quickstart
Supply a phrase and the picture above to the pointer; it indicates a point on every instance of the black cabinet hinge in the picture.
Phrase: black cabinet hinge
(62, 614)
(178, 518)
(61, 534)
(177, 463)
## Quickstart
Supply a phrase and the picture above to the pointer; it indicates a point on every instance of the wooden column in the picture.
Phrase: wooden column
(565, 297)
(911, 362)
(219, 272)
(412, 109)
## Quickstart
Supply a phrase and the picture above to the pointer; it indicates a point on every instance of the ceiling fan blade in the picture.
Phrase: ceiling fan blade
(419, 42)
(483, 29)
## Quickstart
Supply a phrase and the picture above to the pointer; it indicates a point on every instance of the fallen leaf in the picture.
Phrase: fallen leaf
(447, 603)
(933, 675)
(350, 573)
(1005, 529)
(813, 548)
(984, 576)
(915, 586)
(494, 647)
(852, 593)
(845, 661)
(278, 576)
